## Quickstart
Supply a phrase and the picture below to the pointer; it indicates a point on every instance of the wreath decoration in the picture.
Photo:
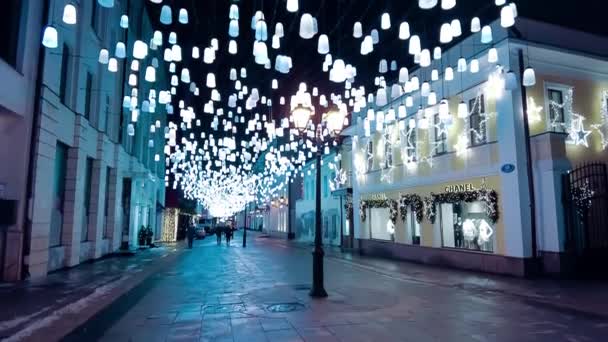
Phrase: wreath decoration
(348, 206)
(489, 197)
(391, 204)
(414, 202)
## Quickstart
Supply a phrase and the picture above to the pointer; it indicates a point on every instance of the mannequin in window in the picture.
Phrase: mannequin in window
(458, 237)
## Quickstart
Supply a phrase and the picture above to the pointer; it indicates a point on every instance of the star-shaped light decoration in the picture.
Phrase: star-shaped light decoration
(602, 128)
(442, 128)
(534, 111)
(577, 132)
(462, 146)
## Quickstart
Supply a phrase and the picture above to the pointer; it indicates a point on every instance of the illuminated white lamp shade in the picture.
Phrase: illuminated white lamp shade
(425, 58)
(166, 15)
(261, 30)
(172, 68)
(462, 65)
(432, 98)
(183, 16)
(425, 89)
(396, 91)
(434, 75)
(385, 21)
(232, 47)
(514, 9)
(276, 42)
(404, 31)
(404, 75)
(456, 28)
(279, 31)
(176, 53)
(357, 30)
(140, 50)
(375, 36)
(307, 26)
(529, 77)
(106, 3)
(158, 38)
(135, 65)
(275, 84)
(474, 68)
(507, 17)
(124, 21)
(133, 80)
(448, 4)
(104, 56)
(510, 81)
(409, 102)
(130, 130)
(150, 74)
(500, 2)
(486, 35)
(367, 45)
(69, 14)
(449, 74)
(445, 35)
(121, 50)
(437, 53)
(414, 47)
(243, 73)
(233, 28)
(113, 65)
(427, 4)
(172, 38)
(463, 110)
(260, 51)
(233, 14)
(475, 25)
(493, 56)
(196, 53)
(211, 80)
(185, 77)
(323, 46)
(383, 66)
(292, 6)
(393, 65)
(444, 108)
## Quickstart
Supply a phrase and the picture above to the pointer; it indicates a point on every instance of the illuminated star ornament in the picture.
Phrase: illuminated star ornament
(534, 111)
(602, 129)
(578, 134)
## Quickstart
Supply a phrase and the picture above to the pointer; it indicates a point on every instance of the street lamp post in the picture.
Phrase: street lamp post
(334, 121)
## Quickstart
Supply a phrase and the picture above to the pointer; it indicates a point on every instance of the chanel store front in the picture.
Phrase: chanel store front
(454, 224)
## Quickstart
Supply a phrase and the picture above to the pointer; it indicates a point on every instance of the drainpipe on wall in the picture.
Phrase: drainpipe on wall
(524, 104)
(36, 114)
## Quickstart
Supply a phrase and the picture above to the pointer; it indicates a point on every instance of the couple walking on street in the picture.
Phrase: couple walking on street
(228, 231)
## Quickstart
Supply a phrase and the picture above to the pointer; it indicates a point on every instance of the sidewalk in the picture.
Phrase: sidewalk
(40, 307)
(579, 296)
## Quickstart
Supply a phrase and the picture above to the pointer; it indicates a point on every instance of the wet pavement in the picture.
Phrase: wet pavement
(220, 293)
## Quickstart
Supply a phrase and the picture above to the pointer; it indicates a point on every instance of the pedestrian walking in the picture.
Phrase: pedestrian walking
(218, 235)
(228, 235)
(190, 232)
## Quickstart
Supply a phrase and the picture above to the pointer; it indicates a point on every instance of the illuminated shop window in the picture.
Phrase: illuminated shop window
(466, 226)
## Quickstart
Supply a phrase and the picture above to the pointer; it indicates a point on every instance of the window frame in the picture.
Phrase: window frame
(567, 118)
(479, 115)
(444, 141)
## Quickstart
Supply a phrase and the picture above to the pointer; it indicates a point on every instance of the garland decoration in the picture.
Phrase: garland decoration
(348, 206)
(414, 202)
(489, 197)
(385, 203)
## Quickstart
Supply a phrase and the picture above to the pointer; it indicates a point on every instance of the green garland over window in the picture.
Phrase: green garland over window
(414, 202)
(387, 203)
(489, 197)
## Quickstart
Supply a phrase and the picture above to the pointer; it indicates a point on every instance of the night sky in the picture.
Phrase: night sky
(209, 19)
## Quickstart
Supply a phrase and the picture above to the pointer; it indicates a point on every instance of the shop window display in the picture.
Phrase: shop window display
(381, 226)
(465, 225)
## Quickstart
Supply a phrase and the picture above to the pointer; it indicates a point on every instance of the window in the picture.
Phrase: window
(380, 225)
(106, 230)
(58, 199)
(477, 121)
(87, 200)
(466, 226)
(63, 82)
(440, 135)
(557, 112)
(370, 155)
(388, 155)
(411, 146)
(412, 227)
(9, 30)
(88, 108)
(97, 19)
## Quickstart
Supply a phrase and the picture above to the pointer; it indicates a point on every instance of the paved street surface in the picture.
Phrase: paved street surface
(260, 293)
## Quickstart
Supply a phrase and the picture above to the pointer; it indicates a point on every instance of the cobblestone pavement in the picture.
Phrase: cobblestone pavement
(220, 293)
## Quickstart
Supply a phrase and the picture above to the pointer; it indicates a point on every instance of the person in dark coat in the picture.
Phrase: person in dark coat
(191, 232)
(218, 235)
(228, 230)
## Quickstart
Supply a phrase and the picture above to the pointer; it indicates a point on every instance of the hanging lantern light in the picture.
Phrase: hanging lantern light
(158, 38)
(292, 6)
(448, 4)
(529, 77)
(493, 56)
(121, 50)
(211, 80)
(414, 46)
(301, 116)
(427, 4)
(449, 74)
(323, 46)
(475, 25)
(456, 28)
(183, 16)
(385, 22)
(113, 65)
(307, 26)
(233, 28)
(232, 47)
(69, 14)
(474, 66)
(166, 16)
(106, 3)
(446, 35)
(140, 49)
(334, 120)
(124, 21)
(358, 30)
(104, 56)
(507, 17)
(486, 35)
(50, 37)
(150, 74)
(463, 110)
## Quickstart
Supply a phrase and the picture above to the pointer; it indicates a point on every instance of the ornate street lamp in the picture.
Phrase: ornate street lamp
(333, 121)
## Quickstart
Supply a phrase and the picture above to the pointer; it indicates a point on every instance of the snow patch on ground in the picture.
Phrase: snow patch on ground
(56, 315)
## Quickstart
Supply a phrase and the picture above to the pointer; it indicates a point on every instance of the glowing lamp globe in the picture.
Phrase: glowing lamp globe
(357, 30)
(404, 31)
(140, 50)
(292, 6)
(448, 4)
(529, 77)
(166, 15)
(307, 26)
(323, 46)
(427, 4)
(334, 120)
(104, 56)
(124, 21)
(106, 3)
(301, 116)
(183, 16)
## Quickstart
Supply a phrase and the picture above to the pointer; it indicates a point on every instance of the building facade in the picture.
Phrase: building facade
(97, 171)
(457, 182)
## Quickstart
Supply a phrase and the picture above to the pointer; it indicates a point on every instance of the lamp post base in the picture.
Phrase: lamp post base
(318, 290)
